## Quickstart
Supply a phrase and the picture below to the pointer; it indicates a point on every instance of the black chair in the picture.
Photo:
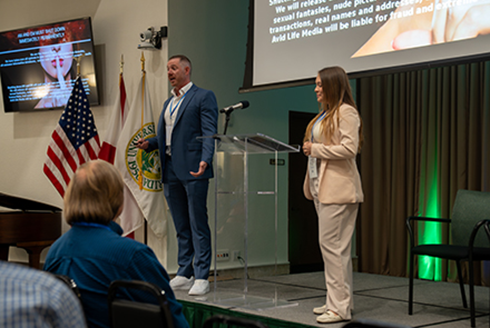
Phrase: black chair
(470, 210)
(487, 228)
(368, 323)
(127, 313)
(70, 283)
(232, 321)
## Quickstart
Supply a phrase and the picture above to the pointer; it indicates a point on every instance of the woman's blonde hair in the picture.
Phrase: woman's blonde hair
(336, 91)
(95, 193)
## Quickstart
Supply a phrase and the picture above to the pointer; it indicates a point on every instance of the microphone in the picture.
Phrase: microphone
(242, 104)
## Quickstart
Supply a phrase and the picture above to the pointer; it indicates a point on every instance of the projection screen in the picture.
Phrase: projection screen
(289, 41)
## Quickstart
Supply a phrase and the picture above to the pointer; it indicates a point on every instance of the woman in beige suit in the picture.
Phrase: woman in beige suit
(332, 140)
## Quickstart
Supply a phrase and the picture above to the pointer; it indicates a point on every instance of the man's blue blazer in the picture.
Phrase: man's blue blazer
(196, 117)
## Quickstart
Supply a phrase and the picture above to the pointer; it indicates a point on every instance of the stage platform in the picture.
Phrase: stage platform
(376, 297)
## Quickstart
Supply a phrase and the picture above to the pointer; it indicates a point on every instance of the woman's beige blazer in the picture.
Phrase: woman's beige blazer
(339, 180)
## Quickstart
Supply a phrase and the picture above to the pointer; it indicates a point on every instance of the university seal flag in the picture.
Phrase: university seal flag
(74, 141)
(140, 170)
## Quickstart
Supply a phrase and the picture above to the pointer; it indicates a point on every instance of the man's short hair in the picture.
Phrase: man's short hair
(183, 59)
(95, 193)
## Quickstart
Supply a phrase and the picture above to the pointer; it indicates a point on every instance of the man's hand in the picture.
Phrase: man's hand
(142, 143)
(202, 167)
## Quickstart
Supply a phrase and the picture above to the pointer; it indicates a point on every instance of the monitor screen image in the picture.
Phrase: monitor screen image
(38, 65)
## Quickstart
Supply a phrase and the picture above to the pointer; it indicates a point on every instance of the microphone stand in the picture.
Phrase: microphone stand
(228, 114)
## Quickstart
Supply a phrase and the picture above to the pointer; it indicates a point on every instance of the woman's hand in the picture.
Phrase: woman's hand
(307, 148)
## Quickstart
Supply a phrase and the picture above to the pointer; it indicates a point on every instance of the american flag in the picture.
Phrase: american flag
(74, 141)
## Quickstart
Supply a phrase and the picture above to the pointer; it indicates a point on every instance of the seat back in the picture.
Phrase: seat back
(228, 321)
(130, 313)
(487, 228)
(469, 208)
(70, 283)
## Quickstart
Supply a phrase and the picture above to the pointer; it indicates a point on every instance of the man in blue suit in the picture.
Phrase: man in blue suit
(191, 112)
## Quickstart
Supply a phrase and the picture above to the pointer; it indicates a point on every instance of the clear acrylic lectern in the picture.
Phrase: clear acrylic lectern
(236, 199)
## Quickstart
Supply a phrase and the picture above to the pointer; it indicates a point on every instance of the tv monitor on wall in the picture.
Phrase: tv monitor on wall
(38, 66)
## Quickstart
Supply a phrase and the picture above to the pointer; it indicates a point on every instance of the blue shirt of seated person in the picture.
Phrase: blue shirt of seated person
(93, 253)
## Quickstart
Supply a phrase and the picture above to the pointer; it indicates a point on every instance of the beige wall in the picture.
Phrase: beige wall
(116, 26)
(117, 23)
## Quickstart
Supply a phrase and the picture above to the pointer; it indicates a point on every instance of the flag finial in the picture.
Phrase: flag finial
(79, 59)
(121, 64)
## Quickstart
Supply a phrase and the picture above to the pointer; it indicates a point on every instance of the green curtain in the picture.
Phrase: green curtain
(427, 134)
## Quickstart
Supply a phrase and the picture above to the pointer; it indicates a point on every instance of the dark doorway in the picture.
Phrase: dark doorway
(304, 252)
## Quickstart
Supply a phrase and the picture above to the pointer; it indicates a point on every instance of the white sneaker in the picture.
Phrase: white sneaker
(200, 287)
(320, 310)
(181, 283)
(329, 317)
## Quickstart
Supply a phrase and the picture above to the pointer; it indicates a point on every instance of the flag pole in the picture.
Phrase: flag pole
(140, 176)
